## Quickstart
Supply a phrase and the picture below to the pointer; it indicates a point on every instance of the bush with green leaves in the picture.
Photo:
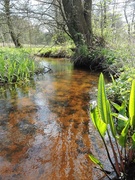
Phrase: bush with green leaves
(15, 65)
(120, 129)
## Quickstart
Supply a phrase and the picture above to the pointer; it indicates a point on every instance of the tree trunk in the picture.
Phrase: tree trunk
(9, 23)
(78, 19)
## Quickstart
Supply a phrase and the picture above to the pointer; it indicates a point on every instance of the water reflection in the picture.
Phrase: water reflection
(44, 132)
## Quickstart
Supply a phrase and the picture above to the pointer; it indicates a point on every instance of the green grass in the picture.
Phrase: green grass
(15, 65)
(54, 51)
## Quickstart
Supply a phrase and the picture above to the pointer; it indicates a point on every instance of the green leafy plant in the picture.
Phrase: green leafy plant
(122, 141)
(119, 89)
(16, 66)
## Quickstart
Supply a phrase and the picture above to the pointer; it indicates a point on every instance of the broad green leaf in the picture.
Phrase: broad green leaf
(123, 136)
(110, 120)
(97, 121)
(116, 106)
(95, 160)
(121, 109)
(119, 116)
(133, 141)
(102, 99)
(130, 79)
(132, 105)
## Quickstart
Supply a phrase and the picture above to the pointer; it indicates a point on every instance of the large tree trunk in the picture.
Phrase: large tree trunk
(78, 19)
(9, 23)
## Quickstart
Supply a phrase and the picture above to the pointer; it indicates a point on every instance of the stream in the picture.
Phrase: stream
(45, 129)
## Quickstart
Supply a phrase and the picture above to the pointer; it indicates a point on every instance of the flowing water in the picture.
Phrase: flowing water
(45, 129)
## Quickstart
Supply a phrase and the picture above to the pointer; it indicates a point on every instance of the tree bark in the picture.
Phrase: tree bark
(78, 19)
(9, 23)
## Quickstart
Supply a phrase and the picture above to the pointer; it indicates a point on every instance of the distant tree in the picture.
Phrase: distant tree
(129, 13)
(8, 17)
(17, 24)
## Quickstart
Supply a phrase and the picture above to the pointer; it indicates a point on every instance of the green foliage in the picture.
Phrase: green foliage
(60, 37)
(110, 55)
(121, 117)
(121, 142)
(83, 51)
(15, 65)
(95, 160)
(118, 91)
(132, 106)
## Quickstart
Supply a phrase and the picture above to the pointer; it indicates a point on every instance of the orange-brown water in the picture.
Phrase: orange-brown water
(45, 129)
